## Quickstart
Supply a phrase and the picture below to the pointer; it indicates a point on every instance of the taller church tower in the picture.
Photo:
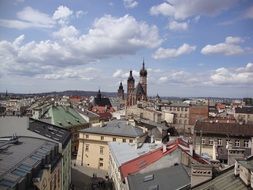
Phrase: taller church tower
(143, 79)
(130, 89)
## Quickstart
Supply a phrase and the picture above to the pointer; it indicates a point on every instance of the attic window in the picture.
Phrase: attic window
(154, 187)
(148, 178)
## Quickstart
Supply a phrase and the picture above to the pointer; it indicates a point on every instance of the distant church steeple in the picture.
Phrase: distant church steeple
(121, 91)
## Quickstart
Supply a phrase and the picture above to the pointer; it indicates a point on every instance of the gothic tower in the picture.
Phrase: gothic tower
(143, 79)
(121, 91)
(130, 89)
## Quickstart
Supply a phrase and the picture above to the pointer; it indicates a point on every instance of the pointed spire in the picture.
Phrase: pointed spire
(99, 94)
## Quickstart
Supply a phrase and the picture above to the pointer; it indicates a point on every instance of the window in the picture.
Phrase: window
(185, 115)
(210, 141)
(123, 140)
(246, 143)
(101, 150)
(101, 159)
(237, 143)
(87, 136)
(101, 164)
(113, 139)
(177, 108)
(186, 109)
(203, 141)
(102, 138)
(130, 140)
(87, 148)
(220, 142)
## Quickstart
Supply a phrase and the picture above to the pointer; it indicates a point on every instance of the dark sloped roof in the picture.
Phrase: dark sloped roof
(53, 132)
(227, 180)
(139, 90)
(102, 102)
(247, 110)
(231, 129)
(117, 128)
(174, 177)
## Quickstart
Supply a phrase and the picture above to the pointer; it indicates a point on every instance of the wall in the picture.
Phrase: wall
(92, 158)
(197, 112)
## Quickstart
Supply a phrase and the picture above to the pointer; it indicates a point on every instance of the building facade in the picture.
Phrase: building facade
(93, 146)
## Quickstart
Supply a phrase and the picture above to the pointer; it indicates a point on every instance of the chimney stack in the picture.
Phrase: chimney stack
(214, 150)
(164, 148)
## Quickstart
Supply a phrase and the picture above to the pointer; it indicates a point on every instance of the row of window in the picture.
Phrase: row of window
(179, 121)
(178, 109)
(181, 115)
(113, 139)
(220, 142)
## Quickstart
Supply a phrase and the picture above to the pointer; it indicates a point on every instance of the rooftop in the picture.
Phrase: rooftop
(227, 180)
(24, 126)
(174, 177)
(246, 110)
(231, 129)
(65, 116)
(141, 162)
(117, 128)
(16, 160)
(123, 152)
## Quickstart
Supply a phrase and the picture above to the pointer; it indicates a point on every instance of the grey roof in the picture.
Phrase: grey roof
(117, 128)
(139, 90)
(246, 110)
(87, 113)
(227, 180)
(53, 132)
(174, 177)
(179, 104)
(247, 163)
(25, 126)
(123, 152)
(16, 160)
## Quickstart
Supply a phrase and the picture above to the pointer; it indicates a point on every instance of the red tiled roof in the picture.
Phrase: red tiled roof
(145, 160)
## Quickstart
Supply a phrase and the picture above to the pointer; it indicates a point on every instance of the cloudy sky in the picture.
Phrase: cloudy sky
(190, 47)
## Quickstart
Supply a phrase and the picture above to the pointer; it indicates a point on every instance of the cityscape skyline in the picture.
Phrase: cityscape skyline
(202, 49)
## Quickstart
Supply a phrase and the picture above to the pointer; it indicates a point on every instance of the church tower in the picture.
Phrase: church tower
(130, 89)
(121, 91)
(143, 79)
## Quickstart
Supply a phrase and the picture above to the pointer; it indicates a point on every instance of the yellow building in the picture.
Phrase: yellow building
(93, 148)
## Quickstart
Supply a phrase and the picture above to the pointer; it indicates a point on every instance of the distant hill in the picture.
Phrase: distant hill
(63, 93)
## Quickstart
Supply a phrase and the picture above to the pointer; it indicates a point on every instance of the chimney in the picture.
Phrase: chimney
(251, 179)
(191, 149)
(164, 148)
(214, 150)
(152, 139)
(236, 169)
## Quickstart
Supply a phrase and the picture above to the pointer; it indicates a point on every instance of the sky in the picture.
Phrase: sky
(190, 47)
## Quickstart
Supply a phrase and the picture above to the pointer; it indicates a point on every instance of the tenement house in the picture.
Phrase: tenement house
(244, 114)
(223, 141)
(93, 142)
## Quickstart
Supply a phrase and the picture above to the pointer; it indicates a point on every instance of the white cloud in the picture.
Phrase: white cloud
(117, 73)
(130, 3)
(249, 13)
(182, 9)
(162, 53)
(62, 14)
(66, 32)
(74, 73)
(178, 26)
(29, 18)
(229, 47)
(242, 75)
(109, 36)
(80, 13)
